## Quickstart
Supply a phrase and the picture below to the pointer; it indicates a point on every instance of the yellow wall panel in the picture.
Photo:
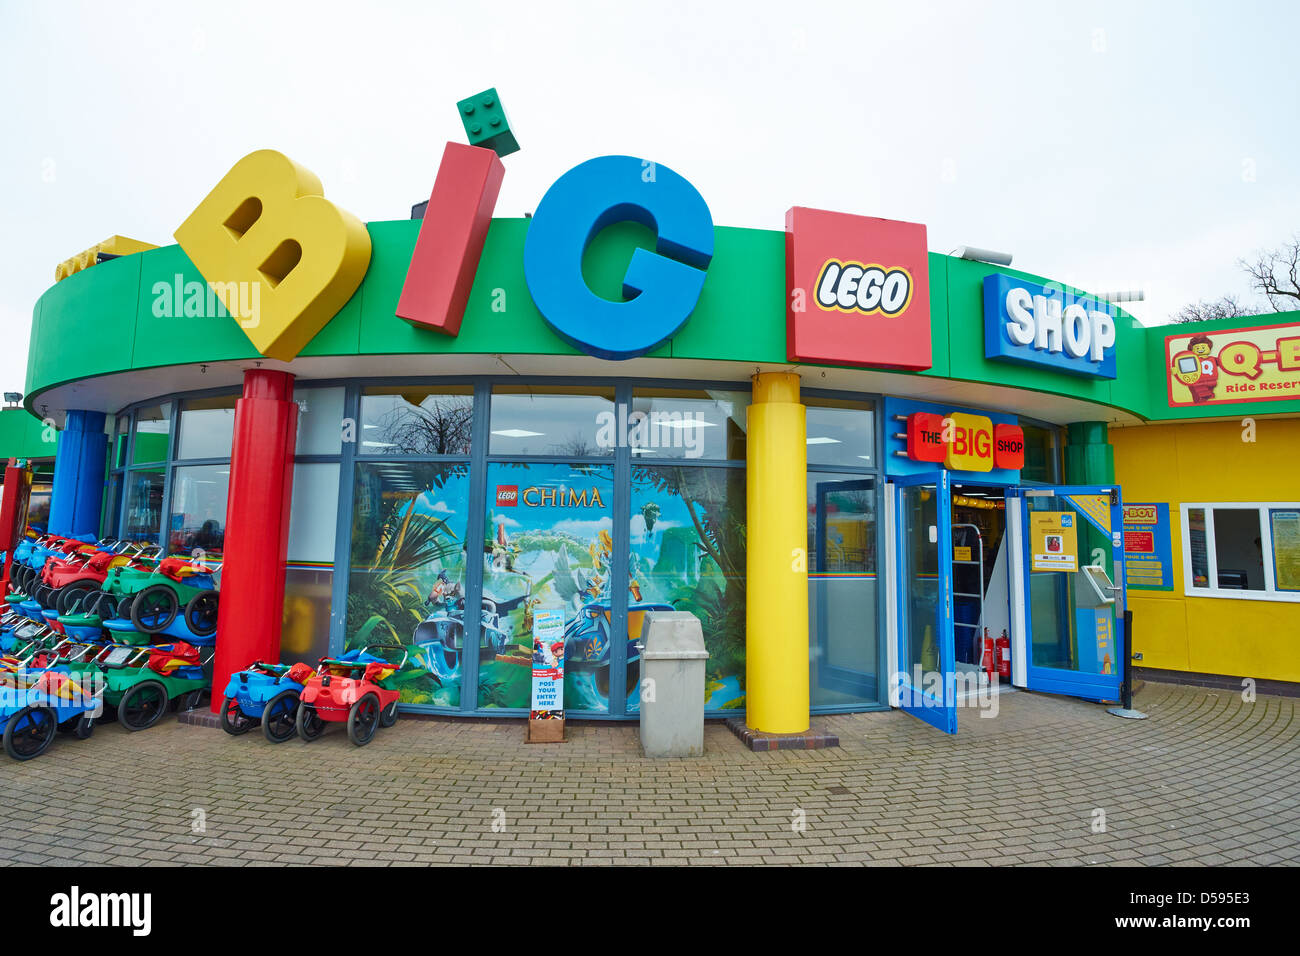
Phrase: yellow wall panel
(1160, 631)
(1209, 462)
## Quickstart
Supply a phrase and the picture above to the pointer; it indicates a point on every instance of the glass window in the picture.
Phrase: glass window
(1040, 454)
(564, 422)
(121, 433)
(313, 516)
(38, 506)
(152, 427)
(678, 423)
(840, 432)
(1248, 550)
(309, 574)
(112, 507)
(415, 420)
(308, 594)
(407, 583)
(207, 427)
(198, 506)
(144, 504)
(688, 553)
(1199, 548)
(320, 420)
(548, 541)
(1284, 533)
(1237, 549)
(842, 590)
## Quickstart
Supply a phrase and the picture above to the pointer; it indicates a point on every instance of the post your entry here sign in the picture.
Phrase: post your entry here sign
(548, 663)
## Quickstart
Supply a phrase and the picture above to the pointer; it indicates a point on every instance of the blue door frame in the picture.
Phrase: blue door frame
(941, 711)
(1055, 680)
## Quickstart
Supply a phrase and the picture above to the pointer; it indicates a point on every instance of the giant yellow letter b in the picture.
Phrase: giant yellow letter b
(281, 257)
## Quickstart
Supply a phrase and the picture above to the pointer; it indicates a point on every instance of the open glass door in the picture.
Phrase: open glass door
(1073, 587)
(925, 685)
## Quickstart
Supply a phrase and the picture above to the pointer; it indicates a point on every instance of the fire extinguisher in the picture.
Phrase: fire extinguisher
(1004, 655)
(989, 659)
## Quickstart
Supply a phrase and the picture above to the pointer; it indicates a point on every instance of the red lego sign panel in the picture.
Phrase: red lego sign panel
(925, 437)
(858, 290)
(1008, 447)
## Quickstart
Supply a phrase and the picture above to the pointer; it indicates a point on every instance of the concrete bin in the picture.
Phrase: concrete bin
(672, 704)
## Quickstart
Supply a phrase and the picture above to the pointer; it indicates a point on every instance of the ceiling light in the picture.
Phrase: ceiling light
(690, 423)
(517, 433)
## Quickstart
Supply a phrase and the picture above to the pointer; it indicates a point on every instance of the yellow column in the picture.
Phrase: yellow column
(776, 611)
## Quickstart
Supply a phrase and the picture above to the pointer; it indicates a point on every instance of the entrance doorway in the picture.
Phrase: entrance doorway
(1039, 569)
(981, 594)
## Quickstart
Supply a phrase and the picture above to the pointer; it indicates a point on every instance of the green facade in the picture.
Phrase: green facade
(102, 319)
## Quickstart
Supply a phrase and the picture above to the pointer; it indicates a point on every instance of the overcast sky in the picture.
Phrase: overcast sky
(1108, 145)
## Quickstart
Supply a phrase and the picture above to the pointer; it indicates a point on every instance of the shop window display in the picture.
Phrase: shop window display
(547, 541)
(412, 421)
(688, 553)
(407, 579)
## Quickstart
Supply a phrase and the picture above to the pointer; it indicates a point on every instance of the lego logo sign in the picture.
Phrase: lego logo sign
(507, 496)
(859, 291)
(851, 287)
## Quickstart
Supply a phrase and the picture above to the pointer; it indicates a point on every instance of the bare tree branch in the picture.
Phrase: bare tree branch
(1283, 294)
(1226, 307)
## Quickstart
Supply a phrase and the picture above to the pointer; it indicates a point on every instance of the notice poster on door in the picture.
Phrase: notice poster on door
(548, 663)
(1095, 507)
(1054, 543)
(1148, 554)
(1285, 527)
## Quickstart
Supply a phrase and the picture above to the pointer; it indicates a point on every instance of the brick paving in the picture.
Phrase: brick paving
(1208, 779)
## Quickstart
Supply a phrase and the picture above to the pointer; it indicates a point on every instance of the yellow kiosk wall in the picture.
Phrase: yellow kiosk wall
(1210, 462)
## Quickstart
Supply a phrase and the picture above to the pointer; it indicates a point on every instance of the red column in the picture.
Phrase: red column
(257, 526)
(12, 511)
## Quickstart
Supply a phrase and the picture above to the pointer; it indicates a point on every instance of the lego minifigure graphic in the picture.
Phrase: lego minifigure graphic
(1198, 369)
(445, 591)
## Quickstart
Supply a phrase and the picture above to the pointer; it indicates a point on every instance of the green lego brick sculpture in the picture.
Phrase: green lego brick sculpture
(486, 123)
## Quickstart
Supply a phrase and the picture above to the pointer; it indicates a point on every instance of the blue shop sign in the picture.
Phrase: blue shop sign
(1033, 324)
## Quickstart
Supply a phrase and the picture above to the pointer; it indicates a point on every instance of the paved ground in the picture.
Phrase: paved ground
(1207, 780)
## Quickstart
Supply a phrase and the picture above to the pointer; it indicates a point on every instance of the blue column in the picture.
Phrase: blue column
(79, 475)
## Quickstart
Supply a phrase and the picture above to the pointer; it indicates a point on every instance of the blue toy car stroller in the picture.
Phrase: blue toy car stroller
(268, 693)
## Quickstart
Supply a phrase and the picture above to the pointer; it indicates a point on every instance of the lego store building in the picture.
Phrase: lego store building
(859, 463)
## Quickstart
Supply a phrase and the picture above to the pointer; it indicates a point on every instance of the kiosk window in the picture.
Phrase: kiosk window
(1249, 550)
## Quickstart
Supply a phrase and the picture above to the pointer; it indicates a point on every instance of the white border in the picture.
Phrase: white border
(1266, 550)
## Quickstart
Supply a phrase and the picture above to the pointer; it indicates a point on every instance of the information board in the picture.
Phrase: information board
(1148, 554)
